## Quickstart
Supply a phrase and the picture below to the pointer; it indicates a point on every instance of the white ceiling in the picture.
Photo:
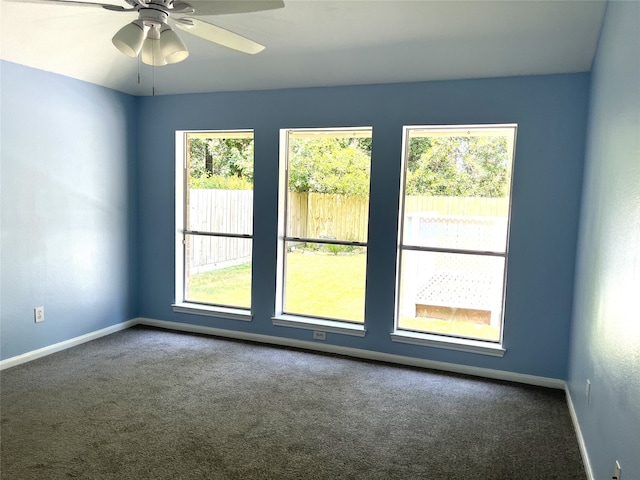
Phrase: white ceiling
(318, 43)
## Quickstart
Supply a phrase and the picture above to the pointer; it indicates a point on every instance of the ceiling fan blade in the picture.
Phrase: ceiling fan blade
(226, 7)
(108, 6)
(218, 35)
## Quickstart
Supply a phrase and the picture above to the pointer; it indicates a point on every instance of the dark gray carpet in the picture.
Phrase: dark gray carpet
(151, 404)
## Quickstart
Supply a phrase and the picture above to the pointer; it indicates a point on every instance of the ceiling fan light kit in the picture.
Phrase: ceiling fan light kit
(129, 38)
(172, 47)
(151, 37)
(151, 53)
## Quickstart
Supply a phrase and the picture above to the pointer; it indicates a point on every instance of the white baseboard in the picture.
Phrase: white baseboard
(57, 347)
(581, 444)
(288, 342)
(359, 353)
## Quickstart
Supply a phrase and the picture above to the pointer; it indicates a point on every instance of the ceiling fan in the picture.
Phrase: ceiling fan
(151, 37)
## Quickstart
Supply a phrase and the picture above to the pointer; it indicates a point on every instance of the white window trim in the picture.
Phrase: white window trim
(487, 347)
(449, 343)
(212, 311)
(180, 305)
(319, 324)
(300, 320)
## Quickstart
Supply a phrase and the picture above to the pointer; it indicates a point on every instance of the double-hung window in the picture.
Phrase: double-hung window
(325, 180)
(454, 224)
(214, 216)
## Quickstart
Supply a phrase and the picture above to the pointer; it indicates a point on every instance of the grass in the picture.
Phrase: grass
(323, 285)
(455, 328)
(227, 286)
(326, 285)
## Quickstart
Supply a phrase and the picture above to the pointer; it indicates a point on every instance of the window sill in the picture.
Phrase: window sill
(450, 343)
(318, 324)
(212, 311)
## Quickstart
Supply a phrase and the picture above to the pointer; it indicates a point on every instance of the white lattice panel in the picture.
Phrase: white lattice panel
(456, 231)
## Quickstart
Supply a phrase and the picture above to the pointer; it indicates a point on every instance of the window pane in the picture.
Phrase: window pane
(458, 232)
(218, 270)
(327, 216)
(457, 185)
(325, 281)
(220, 182)
(220, 211)
(328, 184)
(451, 294)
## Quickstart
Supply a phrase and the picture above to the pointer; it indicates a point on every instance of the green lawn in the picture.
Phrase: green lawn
(326, 285)
(226, 286)
(322, 285)
(450, 327)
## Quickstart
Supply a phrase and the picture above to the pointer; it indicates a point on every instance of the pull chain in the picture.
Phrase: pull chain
(153, 72)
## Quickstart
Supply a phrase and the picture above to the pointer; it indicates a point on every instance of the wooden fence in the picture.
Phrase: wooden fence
(320, 215)
(310, 215)
(222, 211)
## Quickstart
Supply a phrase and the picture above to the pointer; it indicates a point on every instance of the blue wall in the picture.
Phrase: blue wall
(605, 344)
(94, 242)
(551, 112)
(68, 227)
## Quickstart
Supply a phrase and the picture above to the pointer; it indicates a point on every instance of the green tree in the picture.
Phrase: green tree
(329, 165)
(222, 163)
(232, 157)
(417, 147)
(442, 166)
(469, 166)
(198, 150)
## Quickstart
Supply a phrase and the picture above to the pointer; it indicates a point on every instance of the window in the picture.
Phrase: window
(324, 224)
(454, 226)
(214, 212)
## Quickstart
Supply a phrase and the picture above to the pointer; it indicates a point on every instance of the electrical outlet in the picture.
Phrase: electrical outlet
(38, 314)
(617, 471)
(588, 390)
(319, 335)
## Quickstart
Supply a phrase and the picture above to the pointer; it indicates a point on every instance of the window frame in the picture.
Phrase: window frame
(182, 304)
(298, 320)
(441, 340)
